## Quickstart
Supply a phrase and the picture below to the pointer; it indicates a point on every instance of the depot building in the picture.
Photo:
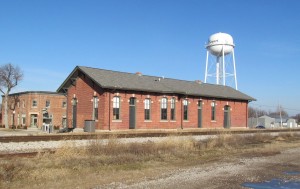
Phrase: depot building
(117, 100)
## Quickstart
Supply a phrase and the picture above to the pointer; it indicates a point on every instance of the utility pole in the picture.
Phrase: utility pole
(256, 117)
(280, 115)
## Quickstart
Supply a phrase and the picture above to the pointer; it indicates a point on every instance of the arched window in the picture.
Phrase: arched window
(213, 110)
(173, 108)
(116, 108)
(185, 109)
(164, 109)
(147, 109)
(95, 108)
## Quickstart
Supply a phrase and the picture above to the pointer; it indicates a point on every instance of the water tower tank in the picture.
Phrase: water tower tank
(218, 41)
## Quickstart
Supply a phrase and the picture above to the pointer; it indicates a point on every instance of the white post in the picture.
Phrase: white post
(206, 66)
(218, 70)
(223, 65)
(234, 69)
(280, 116)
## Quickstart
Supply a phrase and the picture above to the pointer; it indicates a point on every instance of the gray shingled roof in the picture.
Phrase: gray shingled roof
(129, 81)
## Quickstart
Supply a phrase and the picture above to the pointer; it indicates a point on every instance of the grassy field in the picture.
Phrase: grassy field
(100, 164)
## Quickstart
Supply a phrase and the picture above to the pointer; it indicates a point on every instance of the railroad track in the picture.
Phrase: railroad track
(133, 134)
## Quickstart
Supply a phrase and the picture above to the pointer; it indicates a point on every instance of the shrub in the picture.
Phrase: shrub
(56, 127)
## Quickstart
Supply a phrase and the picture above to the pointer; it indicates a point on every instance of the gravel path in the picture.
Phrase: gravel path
(224, 174)
(22, 147)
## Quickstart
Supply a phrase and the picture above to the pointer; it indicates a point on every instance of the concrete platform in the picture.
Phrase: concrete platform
(20, 132)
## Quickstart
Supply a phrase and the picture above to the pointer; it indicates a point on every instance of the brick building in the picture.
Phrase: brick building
(118, 100)
(33, 108)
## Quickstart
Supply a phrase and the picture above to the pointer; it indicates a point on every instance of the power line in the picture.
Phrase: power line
(262, 105)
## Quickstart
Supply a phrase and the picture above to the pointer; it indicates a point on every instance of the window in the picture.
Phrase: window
(173, 101)
(12, 119)
(47, 103)
(23, 103)
(116, 108)
(95, 108)
(23, 119)
(34, 103)
(164, 109)
(185, 109)
(132, 101)
(18, 119)
(18, 104)
(64, 122)
(213, 111)
(147, 108)
(64, 104)
(199, 104)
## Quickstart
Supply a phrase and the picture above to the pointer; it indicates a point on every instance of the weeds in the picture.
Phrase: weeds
(9, 170)
(111, 155)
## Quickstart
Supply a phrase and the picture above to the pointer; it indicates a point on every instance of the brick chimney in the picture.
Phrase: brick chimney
(139, 73)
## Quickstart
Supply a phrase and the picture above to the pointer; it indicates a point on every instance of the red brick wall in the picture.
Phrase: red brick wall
(85, 89)
(55, 109)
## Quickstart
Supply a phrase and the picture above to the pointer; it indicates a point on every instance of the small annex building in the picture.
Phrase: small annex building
(118, 100)
(33, 109)
(272, 122)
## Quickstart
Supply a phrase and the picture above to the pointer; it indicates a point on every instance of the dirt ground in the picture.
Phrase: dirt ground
(225, 168)
(225, 173)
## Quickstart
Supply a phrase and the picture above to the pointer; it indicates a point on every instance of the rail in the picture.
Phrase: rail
(134, 134)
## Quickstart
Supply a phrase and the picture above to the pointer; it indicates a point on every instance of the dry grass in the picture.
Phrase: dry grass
(98, 161)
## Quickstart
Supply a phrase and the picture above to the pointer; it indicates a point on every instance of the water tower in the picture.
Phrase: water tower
(220, 60)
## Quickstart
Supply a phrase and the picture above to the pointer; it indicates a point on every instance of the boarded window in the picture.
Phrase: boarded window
(173, 108)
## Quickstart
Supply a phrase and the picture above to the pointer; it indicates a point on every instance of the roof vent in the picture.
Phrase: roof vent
(198, 81)
(139, 73)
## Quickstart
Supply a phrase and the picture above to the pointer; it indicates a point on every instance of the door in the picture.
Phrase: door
(227, 122)
(33, 120)
(199, 114)
(132, 112)
(74, 113)
(64, 122)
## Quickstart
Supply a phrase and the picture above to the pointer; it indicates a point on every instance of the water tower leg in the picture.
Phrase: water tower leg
(218, 70)
(206, 66)
(223, 64)
(234, 69)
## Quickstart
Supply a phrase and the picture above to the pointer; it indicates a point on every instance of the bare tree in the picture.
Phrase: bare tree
(10, 75)
(255, 112)
(251, 112)
(297, 117)
(279, 113)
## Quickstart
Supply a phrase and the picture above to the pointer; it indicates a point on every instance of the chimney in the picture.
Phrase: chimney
(139, 73)
(198, 81)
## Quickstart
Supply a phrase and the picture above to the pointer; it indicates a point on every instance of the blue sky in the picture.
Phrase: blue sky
(48, 38)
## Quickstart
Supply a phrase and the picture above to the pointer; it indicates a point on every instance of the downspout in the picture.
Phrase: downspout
(247, 115)
(109, 108)
(67, 112)
(181, 114)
